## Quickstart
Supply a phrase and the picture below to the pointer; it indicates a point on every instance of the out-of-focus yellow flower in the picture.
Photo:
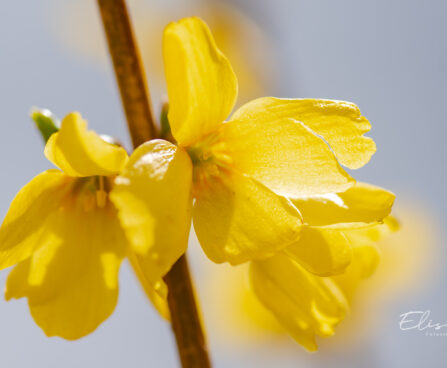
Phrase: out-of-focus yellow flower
(239, 37)
(68, 231)
(305, 305)
(410, 254)
(407, 261)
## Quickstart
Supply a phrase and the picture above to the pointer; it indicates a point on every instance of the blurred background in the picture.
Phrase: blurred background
(389, 57)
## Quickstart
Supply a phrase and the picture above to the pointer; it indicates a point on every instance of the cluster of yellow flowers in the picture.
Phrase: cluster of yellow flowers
(266, 187)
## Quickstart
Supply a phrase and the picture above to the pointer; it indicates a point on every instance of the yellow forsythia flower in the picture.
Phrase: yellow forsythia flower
(270, 149)
(63, 232)
(268, 184)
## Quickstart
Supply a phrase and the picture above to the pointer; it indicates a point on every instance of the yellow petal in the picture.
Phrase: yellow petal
(282, 153)
(72, 282)
(202, 86)
(158, 297)
(24, 225)
(153, 197)
(322, 251)
(306, 305)
(339, 123)
(361, 203)
(81, 152)
(237, 219)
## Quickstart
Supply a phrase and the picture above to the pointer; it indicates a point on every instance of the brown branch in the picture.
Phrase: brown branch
(185, 320)
(128, 70)
(135, 99)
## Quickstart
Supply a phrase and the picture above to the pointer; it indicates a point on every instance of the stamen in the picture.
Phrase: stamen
(211, 159)
(101, 194)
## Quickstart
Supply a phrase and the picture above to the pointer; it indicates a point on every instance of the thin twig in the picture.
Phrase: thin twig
(185, 319)
(128, 70)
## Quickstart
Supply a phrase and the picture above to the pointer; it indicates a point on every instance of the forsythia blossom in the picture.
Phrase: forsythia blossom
(63, 232)
(268, 184)
(243, 170)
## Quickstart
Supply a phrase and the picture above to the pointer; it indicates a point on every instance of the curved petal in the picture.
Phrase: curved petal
(153, 197)
(158, 297)
(306, 305)
(283, 154)
(340, 124)
(71, 282)
(202, 86)
(322, 251)
(361, 203)
(81, 152)
(24, 225)
(238, 219)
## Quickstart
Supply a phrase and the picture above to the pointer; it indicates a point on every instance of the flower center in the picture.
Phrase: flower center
(210, 158)
(91, 192)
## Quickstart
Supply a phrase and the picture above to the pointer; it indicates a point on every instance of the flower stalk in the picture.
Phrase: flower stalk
(135, 97)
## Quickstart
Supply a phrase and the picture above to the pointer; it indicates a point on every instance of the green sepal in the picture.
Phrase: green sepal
(46, 122)
(165, 125)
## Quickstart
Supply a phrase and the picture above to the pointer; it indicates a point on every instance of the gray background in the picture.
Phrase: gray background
(389, 57)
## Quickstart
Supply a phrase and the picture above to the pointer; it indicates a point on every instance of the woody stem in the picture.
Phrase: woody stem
(128, 70)
(129, 73)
